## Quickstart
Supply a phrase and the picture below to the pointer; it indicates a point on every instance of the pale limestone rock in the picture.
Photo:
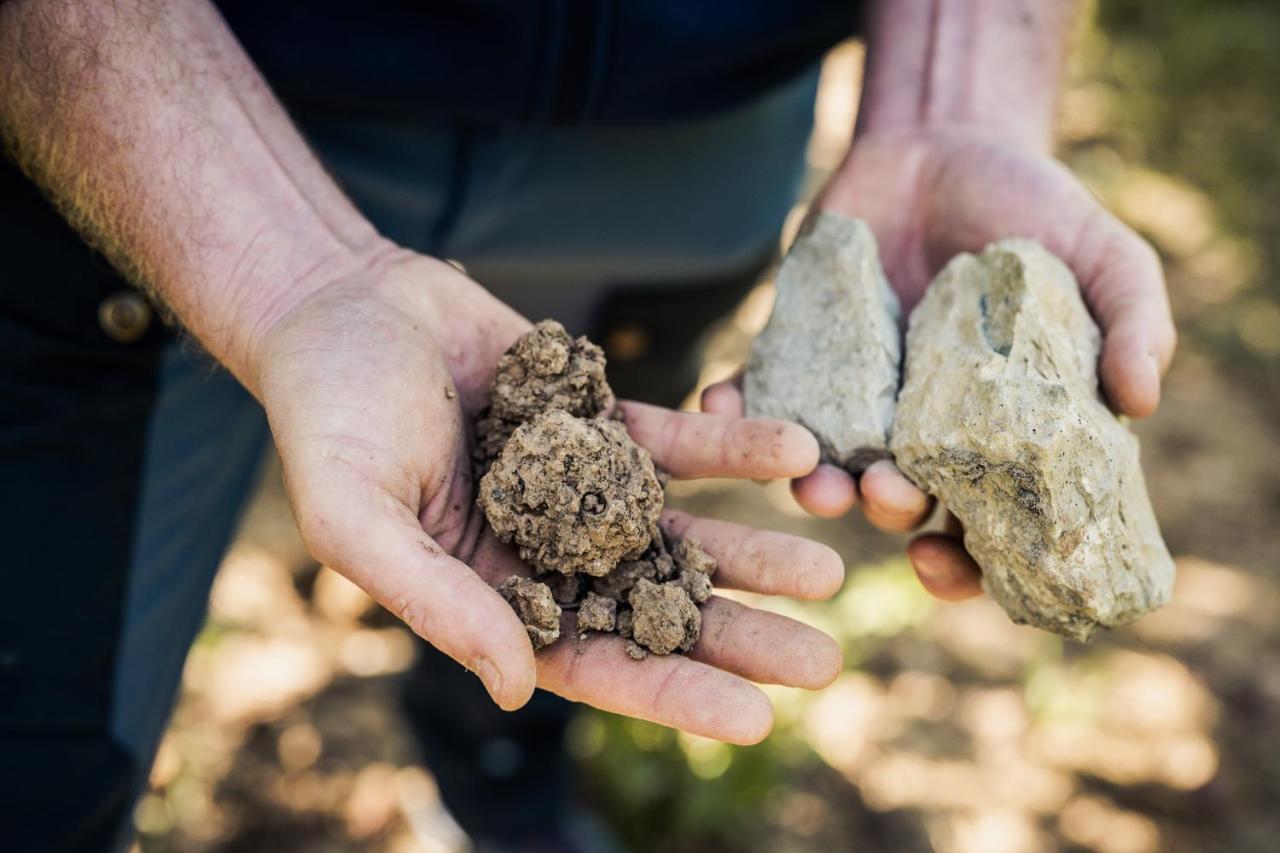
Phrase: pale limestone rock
(1001, 419)
(829, 357)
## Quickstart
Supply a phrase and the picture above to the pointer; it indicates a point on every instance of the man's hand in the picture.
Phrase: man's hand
(952, 153)
(371, 385)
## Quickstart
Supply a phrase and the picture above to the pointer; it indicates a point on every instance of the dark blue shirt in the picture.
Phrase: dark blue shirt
(513, 62)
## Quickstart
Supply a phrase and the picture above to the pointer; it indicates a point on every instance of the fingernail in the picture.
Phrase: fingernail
(490, 675)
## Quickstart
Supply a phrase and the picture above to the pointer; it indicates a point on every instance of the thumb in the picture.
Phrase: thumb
(1123, 282)
(377, 542)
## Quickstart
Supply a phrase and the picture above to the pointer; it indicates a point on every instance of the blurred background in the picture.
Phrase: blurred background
(950, 729)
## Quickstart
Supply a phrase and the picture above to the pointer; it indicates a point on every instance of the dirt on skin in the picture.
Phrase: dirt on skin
(581, 501)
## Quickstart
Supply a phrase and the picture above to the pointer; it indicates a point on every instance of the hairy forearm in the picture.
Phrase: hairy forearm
(147, 125)
(985, 65)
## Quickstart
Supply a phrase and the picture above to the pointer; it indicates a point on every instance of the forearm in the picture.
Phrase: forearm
(985, 65)
(147, 125)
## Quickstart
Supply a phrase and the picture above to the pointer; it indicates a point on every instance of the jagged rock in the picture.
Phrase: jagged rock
(1001, 419)
(829, 357)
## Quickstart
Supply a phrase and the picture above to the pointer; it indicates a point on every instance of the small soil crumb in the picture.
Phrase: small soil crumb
(449, 393)
(566, 589)
(664, 617)
(617, 584)
(696, 584)
(575, 495)
(544, 370)
(536, 608)
(635, 651)
(690, 557)
(623, 624)
(597, 613)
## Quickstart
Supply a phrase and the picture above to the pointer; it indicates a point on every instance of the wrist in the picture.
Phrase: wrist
(981, 68)
(265, 290)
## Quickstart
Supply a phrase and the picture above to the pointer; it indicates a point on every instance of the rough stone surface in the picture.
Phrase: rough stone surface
(829, 357)
(597, 613)
(575, 495)
(664, 618)
(1001, 419)
(544, 370)
(536, 608)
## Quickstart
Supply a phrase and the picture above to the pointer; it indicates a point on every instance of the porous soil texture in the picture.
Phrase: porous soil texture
(562, 480)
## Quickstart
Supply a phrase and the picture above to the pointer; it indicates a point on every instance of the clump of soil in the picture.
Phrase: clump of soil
(580, 500)
(543, 371)
(538, 611)
(575, 495)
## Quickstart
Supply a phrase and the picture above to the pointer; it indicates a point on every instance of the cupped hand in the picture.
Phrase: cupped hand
(931, 193)
(371, 384)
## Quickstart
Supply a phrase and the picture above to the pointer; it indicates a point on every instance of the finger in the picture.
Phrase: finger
(1123, 282)
(689, 445)
(378, 543)
(760, 560)
(829, 492)
(672, 690)
(944, 568)
(725, 398)
(890, 501)
(765, 647)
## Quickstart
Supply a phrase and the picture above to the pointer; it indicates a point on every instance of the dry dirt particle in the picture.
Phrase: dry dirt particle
(537, 609)
(664, 618)
(597, 613)
(574, 495)
(690, 557)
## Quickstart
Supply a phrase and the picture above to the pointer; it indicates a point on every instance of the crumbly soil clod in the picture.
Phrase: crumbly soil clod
(597, 613)
(575, 495)
(565, 483)
(537, 609)
(664, 618)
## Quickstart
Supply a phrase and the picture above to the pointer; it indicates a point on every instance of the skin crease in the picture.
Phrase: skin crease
(952, 152)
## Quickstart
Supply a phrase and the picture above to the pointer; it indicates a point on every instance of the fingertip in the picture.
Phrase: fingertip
(799, 451)
(1131, 380)
(944, 568)
(509, 686)
(754, 720)
(824, 666)
(723, 398)
(825, 576)
(827, 492)
(890, 501)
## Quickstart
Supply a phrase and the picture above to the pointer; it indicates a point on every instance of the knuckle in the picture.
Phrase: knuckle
(411, 613)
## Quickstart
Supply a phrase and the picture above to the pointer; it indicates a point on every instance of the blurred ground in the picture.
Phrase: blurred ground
(951, 729)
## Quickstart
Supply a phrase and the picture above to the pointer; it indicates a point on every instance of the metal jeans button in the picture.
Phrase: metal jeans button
(124, 316)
